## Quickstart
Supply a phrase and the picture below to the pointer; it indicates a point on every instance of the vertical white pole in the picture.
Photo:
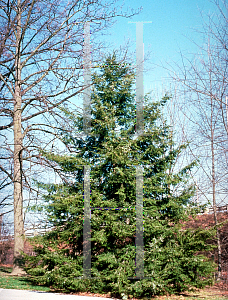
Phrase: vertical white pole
(87, 131)
(139, 258)
(87, 225)
(139, 78)
(87, 81)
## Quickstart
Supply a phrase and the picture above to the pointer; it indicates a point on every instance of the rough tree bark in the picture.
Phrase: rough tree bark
(18, 148)
(213, 178)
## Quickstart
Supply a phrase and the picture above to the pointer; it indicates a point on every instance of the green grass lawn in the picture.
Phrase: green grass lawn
(14, 282)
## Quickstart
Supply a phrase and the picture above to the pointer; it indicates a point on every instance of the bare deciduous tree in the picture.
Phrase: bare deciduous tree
(41, 65)
(204, 81)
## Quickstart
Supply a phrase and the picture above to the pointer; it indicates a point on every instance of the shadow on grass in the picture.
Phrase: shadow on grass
(18, 282)
(6, 269)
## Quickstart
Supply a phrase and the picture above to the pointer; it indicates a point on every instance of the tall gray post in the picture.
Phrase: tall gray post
(87, 81)
(139, 78)
(87, 131)
(87, 225)
(139, 259)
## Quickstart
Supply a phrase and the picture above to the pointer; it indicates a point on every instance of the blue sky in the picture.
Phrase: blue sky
(175, 25)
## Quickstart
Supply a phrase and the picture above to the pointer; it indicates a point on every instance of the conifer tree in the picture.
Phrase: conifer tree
(113, 152)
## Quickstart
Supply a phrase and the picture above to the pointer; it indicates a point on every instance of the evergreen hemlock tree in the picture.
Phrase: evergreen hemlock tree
(113, 152)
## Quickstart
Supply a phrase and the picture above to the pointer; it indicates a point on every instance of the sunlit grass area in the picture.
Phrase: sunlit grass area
(17, 282)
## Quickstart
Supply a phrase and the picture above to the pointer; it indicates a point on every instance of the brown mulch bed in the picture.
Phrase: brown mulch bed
(216, 290)
(209, 291)
(92, 295)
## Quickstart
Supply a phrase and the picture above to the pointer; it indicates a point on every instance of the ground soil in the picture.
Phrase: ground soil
(219, 289)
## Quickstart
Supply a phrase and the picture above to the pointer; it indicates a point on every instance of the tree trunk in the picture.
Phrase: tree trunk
(18, 147)
(214, 197)
(1, 225)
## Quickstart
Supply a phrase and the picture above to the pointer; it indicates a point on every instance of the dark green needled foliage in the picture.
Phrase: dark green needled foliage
(113, 152)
